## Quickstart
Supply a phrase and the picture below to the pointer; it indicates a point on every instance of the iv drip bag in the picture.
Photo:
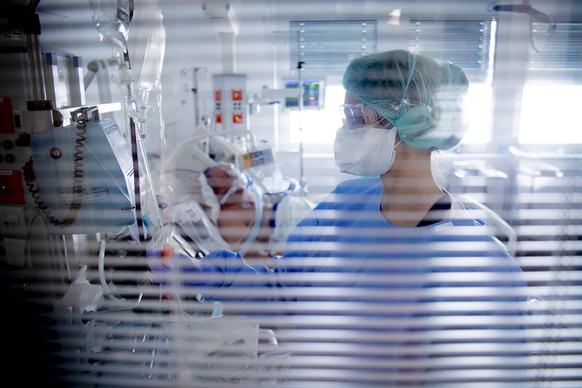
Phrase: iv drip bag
(147, 45)
(111, 19)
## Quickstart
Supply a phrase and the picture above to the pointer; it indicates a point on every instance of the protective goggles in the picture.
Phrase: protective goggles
(359, 115)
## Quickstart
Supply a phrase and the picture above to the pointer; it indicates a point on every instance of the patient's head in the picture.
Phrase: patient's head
(238, 209)
(237, 203)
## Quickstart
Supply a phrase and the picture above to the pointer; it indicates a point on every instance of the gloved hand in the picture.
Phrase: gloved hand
(165, 262)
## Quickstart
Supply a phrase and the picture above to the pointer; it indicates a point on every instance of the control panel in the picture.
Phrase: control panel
(14, 154)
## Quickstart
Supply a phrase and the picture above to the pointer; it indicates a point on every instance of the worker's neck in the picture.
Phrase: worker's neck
(408, 192)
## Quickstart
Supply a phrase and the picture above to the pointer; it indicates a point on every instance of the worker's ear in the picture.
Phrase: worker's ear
(416, 121)
(414, 125)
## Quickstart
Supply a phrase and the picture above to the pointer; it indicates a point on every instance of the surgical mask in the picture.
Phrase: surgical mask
(365, 150)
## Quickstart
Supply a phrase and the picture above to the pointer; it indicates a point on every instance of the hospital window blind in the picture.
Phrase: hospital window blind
(327, 46)
(555, 55)
(463, 42)
(89, 311)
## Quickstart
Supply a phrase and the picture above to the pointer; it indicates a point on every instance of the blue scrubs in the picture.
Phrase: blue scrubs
(346, 235)
(400, 293)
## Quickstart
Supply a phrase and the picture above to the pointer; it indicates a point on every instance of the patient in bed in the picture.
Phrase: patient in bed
(221, 208)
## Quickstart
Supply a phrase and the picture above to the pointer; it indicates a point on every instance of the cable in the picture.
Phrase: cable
(78, 177)
(258, 221)
(101, 267)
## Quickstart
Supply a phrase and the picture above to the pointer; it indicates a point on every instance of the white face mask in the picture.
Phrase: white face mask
(365, 150)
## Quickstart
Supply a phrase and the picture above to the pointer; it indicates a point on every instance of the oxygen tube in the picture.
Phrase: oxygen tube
(258, 219)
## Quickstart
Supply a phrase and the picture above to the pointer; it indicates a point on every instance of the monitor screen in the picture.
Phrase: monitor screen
(313, 93)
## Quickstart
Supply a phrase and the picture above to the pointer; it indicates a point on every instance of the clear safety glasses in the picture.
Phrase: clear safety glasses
(359, 115)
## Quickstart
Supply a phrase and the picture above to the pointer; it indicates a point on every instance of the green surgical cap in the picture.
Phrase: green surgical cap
(434, 116)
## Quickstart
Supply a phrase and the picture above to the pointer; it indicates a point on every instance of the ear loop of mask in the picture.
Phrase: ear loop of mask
(410, 74)
(255, 229)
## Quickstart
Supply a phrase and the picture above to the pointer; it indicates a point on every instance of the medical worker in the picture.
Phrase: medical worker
(390, 275)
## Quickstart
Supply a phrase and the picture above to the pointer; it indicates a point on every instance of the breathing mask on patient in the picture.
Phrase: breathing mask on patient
(240, 205)
(227, 183)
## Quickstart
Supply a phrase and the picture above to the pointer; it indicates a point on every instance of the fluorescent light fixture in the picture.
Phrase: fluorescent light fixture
(394, 17)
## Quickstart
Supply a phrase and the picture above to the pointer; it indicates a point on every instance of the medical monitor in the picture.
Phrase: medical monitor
(313, 93)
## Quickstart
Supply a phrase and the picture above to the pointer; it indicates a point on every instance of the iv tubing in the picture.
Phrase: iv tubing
(257, 224)
(148, 175)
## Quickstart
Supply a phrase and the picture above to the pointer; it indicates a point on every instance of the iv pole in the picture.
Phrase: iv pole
(302, 182)
(195, 91)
